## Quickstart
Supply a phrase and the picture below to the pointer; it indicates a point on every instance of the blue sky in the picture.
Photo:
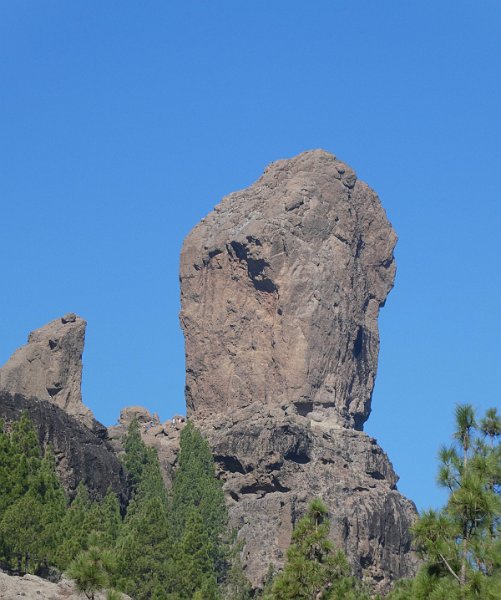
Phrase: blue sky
(124, 123)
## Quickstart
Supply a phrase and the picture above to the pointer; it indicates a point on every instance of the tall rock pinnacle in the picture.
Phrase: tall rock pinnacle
(49, 367)
(281, 287)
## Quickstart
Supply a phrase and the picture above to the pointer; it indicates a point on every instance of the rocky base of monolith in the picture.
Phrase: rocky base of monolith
(274, 464)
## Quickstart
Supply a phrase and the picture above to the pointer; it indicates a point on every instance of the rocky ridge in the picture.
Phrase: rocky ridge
(44, 379)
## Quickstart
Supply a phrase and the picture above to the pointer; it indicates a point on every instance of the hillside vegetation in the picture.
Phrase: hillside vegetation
(176, 545)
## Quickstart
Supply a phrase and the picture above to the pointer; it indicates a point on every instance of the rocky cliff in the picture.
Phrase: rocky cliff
(281, 287)
(43, 378)
(81, 455)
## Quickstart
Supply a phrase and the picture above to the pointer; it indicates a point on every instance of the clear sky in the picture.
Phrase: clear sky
(123, 123)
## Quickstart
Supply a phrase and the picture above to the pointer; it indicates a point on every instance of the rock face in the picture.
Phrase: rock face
(80, 454)
(49, 367)
(273, 465)
(281, 287)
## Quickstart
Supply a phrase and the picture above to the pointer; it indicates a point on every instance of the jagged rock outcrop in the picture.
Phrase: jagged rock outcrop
(273, 465)
(281, 287)
(163, 437)
(49, 367)
(80, 454)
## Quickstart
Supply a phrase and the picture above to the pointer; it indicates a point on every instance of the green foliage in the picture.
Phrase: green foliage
(91, 570)
(198, 520)
(167, 548)
(314, 570)
(31, 497)
(37, 528)
(460, 544)
(143, 547)
(196, 486)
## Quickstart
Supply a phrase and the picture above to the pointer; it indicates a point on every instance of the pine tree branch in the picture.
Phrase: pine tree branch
(449, 567)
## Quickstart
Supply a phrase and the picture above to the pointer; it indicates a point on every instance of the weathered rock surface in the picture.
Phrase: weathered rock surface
(281, 287)
(80, 454)
(273, 465)
(31, 587)
(49, 367)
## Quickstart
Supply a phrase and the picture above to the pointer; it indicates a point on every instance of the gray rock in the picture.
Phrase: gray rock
(81, 455)
(273, 465)
(49, 367)
(31, 587)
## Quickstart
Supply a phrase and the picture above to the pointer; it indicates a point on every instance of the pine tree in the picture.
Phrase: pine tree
(194, 571)
(314, 570)
(199, 517)
(76, 526)
(461, 543)
(143, 546)
(106, 520)
(196, 487)
(33, 500)
(92, 570)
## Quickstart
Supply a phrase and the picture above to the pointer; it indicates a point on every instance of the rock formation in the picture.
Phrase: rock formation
(49, 367)
(80, 454)
(44, 378)
(281, 287)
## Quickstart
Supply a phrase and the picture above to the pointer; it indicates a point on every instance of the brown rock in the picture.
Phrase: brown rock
(49, 367)
(281, 287)
(164, 438)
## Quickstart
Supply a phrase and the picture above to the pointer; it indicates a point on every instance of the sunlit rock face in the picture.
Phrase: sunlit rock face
(49, 367)
(281, 286)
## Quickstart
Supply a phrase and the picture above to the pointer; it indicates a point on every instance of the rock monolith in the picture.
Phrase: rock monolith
(281, 286)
